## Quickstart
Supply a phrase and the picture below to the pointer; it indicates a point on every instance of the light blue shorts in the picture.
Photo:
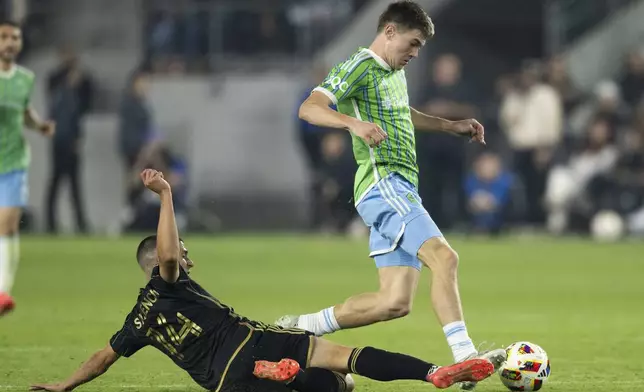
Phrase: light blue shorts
(14, 190)
(399, 223)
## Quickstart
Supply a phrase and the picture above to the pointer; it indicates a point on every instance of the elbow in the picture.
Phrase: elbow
(303, 113)
(167, 258)
(168, 254)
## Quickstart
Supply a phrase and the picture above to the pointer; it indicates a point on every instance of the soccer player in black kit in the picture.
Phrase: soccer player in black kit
(221, 349)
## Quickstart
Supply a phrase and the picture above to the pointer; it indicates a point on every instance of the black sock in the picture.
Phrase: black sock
(318, 380)
(386, 366)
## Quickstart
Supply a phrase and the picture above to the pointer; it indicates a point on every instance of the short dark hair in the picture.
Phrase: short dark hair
(9, 22)
(145, 248)
(407, 15)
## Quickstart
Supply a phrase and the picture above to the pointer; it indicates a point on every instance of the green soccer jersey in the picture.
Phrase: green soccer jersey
(367, 88)
(15, 91)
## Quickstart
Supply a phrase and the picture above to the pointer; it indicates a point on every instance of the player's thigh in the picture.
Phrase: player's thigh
(328, 355)
(272, 344)
(394, 212)
(9, 220)
(398, 286)
(277, 343)
(13, 196)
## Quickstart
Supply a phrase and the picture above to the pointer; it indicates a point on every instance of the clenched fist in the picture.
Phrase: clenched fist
(371, 133)
(154, 181)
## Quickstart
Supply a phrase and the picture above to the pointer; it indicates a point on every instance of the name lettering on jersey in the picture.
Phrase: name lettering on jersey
(337, 82)
(149, 299)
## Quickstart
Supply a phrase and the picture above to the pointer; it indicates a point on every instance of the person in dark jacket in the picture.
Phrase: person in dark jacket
(70, 93)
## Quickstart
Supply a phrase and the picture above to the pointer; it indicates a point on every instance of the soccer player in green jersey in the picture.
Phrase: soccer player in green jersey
(16, 85)
(370, 91)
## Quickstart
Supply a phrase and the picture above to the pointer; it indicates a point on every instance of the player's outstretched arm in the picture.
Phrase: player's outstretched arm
(33, 121)
(168, 247)
(95, 366)
(468, 128)
(316, 110)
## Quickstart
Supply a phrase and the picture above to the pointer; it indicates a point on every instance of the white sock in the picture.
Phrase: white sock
(6, 264)
(15, 259)
(319, 323)
(459, 341)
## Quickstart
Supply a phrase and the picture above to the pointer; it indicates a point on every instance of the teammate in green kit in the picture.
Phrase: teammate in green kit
(16, 85)
(370, 92)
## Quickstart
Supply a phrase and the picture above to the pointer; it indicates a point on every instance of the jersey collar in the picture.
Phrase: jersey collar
(8, 74)
(378, 59)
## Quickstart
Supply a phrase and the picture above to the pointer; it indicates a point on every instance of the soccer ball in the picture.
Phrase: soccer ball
(526, 369)
(607, 226)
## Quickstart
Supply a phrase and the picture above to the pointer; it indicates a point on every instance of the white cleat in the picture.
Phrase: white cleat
(288, 321)
(349, 384)
(497, 357)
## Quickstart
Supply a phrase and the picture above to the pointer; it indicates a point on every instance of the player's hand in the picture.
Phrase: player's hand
(154, 181)
(371, 133)
(47, 128)
(470, 128)
(48, 387)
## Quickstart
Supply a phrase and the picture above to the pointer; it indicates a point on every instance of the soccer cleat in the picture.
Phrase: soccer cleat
(345, 382)
(288, 321)
(350, 384)
(472, 370)
(496, 357)
(6, 304)
(283, 371)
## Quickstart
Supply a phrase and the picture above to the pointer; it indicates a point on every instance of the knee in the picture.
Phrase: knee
(439, 256)
(9, 227)
(7, 231)
(396, 306)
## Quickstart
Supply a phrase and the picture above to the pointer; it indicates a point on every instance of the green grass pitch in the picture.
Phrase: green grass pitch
(582, 302)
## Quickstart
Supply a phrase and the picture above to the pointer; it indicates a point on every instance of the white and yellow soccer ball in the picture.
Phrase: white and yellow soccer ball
(527, 367)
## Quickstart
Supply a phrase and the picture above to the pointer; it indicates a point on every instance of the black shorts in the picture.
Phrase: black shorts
(268, 344)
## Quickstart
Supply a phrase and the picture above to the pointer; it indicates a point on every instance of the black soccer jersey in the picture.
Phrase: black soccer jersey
(186, 323)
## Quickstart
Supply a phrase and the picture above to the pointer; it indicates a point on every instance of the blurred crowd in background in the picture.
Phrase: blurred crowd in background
(556, 154)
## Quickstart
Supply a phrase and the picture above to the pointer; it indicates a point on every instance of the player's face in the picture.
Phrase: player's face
(10, 43)
(402, 45)
(186, 263)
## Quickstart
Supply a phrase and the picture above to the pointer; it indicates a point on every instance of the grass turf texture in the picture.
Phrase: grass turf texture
(582, 302)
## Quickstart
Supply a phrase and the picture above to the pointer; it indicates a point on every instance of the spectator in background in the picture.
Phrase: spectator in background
(337, 175)
(441, 157)
(632, 83)
(138, 138)
(163, 28)
(606, 104)
(622, 189)
(638, 118)
(69, 92)
(144, 213)
(487, 189)
(310, 138)
(532, 117)
(490, 109)
(558, 77)
(568, 183)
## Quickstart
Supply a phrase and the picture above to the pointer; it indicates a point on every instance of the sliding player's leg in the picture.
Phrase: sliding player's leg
(374, 363)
